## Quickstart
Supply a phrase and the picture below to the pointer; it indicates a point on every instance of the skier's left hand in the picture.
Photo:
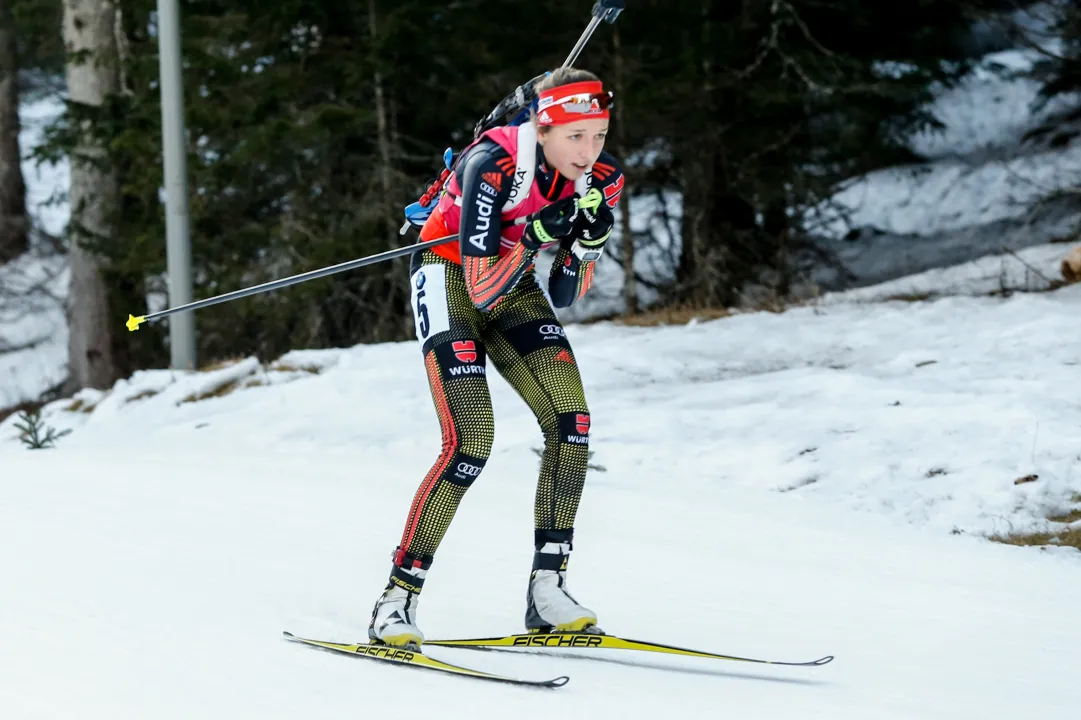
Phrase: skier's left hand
(551, 223)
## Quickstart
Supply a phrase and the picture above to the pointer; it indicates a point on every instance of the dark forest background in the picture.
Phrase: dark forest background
(312, 123)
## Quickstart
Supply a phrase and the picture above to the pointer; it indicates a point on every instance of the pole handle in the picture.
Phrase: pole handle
(608, 10)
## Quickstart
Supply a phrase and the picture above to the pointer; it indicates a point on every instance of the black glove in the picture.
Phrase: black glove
(551, 223)
(593, 228)
(595, 222)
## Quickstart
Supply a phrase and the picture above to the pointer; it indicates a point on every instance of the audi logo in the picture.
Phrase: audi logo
(467, 469)
(552, 330)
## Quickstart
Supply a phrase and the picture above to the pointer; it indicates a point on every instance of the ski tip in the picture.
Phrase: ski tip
(559, 681)
(822, 660)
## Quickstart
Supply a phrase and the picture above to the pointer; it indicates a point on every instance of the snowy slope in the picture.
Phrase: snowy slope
(848, 401)
(987, 185)
(781, 486)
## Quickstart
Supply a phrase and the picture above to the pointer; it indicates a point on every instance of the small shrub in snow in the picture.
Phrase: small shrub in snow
(1067, 518)
(1067, 538)
(1068, 534)
(34, 433)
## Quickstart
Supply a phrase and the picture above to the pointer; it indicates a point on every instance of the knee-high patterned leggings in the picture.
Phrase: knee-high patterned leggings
(528, 347)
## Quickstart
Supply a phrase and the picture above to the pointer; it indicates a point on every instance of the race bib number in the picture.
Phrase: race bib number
(431, 314)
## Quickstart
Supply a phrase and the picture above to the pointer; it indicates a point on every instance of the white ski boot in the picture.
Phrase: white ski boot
(550, 608)
(394, 618)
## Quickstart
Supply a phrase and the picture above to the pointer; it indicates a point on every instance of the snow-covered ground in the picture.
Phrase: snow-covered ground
(927, 411)
(827, 473)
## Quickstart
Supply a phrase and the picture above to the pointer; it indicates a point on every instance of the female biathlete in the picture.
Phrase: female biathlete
(513, 192)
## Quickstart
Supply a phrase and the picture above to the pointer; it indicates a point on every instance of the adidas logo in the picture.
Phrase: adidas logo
(564, 356)
(494, 179)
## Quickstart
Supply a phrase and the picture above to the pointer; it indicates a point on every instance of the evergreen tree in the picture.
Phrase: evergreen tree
(311, 123)
(1060, 70)
(39, 45)
(761, 108)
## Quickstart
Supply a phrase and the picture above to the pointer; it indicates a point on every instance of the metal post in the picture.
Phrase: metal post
(178, 240)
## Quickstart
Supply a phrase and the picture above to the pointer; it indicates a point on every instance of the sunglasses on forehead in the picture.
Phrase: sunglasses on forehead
(588, 103)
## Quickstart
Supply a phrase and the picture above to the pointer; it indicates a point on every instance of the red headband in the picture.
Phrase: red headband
(570, 103)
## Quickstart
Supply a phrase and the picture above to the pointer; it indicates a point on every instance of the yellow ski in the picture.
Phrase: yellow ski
(415, 658)
(590, 641)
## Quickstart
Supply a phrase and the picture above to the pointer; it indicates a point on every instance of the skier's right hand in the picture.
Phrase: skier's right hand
(551, 223)
(595, 220)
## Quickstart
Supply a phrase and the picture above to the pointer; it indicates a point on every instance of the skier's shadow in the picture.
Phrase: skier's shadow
(666, 668)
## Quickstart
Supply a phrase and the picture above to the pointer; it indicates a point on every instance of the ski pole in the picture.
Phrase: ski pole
(134, 321)
(592, 200)
(603, 10)
(524, 94)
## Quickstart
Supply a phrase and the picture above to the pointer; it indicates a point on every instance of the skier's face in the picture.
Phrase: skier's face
(573, 148)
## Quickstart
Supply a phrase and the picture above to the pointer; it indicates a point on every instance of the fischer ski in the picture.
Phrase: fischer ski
(417, 659)
(590, 641)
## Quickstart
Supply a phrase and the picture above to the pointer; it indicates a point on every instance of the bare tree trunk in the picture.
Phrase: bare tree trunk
(14, 223)
(89, 28)
(629, 284)
(383, 133)
(707, 262)
(698, 190)
(396, 297)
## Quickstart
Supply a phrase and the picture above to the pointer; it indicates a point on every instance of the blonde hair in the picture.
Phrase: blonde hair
(560, 76)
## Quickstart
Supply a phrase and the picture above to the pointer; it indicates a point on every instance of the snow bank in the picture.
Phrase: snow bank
(924, 411)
